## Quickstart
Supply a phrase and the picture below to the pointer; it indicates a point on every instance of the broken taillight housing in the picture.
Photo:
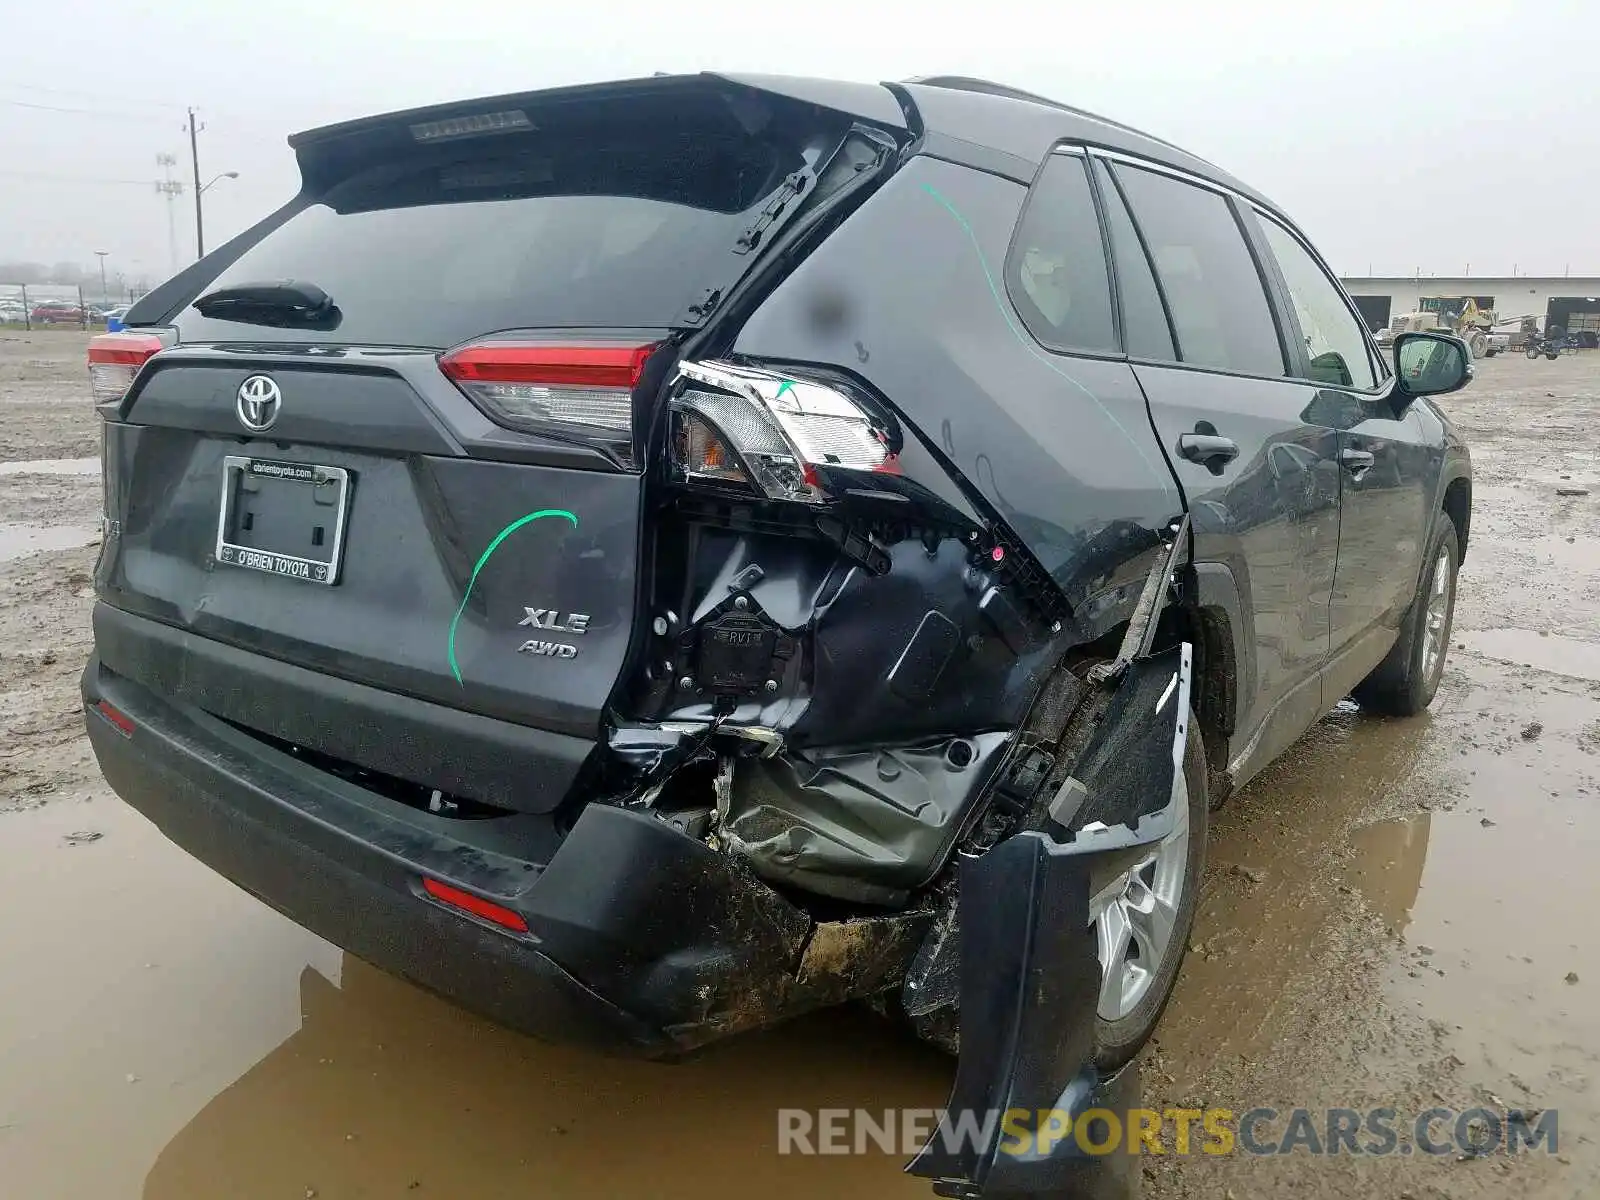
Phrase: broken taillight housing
(777, 433)
(582, 391)
(116, 358)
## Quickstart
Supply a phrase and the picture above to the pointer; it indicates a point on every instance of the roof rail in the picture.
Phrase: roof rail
(966, 83)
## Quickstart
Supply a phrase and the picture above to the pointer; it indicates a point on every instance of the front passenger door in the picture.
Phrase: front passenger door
(1384, 461)
(1257, 467)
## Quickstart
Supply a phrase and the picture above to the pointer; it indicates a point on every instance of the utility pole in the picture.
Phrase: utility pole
(194, 161)
(101, 255)
(171, 189)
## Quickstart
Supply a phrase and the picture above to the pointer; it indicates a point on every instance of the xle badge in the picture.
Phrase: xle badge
(550, 619)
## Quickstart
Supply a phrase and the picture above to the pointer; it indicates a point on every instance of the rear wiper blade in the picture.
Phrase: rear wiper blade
(282, 302)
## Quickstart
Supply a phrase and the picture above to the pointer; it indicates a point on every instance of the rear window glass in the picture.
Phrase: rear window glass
(1056, 271)
(434, 252)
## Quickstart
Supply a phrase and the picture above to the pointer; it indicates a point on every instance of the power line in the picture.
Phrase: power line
(16, 86)
(72, 178)
(232, 133)
(149, 118)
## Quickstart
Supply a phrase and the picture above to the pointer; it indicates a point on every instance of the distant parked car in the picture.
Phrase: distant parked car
(57, 314)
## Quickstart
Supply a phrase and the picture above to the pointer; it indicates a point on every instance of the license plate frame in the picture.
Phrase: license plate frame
(273, 562)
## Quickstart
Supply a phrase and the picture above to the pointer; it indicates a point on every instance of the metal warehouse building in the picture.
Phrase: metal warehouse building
(1571, 303)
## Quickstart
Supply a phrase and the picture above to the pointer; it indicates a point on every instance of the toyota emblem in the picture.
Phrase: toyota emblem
(258, 404)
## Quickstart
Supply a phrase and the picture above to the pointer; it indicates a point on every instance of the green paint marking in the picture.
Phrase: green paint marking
(786, 386)
(455, 668)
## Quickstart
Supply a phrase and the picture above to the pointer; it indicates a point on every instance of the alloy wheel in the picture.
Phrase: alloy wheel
(1436, 614)
(1134, 916)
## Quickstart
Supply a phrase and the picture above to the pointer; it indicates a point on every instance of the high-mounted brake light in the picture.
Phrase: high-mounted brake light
(777, 433)
(488, 910)
(512, 120)
(578, 390)
(115, 359)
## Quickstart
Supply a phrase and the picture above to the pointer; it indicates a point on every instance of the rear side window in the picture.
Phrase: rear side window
(1145, 331)
(1056, 271)
(1336, 343)
(431, 250)
(1213, 290)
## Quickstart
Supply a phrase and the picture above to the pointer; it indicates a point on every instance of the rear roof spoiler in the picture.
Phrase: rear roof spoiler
(332, 152)
(869, 101)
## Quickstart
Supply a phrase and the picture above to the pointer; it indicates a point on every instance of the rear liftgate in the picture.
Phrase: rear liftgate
(1027, 957)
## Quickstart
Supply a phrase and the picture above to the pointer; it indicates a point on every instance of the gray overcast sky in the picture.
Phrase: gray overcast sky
(1400, 136)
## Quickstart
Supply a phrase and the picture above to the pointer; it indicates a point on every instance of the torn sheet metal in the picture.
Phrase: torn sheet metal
(858, 825)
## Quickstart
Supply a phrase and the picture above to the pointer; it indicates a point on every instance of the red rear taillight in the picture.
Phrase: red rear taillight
(580, 390)
(114, 360)
(496, 914)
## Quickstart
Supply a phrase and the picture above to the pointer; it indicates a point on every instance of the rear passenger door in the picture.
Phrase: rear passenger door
(1257, 463)
(1385, 461)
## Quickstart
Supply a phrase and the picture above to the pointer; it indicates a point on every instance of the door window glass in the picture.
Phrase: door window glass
(1214, 292)
(1335, 341)
(1145, 332)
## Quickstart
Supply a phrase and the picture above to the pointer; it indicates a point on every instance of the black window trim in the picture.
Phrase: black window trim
(1144, 249)
(1375, 360)
(1119, 354)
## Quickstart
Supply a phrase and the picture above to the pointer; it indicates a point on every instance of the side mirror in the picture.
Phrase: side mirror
(1430, 364)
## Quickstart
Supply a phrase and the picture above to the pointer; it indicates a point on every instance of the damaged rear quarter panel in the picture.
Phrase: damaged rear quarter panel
(1055, 448)
(1059, 446)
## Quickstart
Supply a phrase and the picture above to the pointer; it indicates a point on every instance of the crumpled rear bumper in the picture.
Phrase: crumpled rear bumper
(640, 939)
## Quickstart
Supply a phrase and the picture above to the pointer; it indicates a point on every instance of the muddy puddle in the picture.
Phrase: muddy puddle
(1542, 651)
(16, 541)
(51, 466)
(215, 1049)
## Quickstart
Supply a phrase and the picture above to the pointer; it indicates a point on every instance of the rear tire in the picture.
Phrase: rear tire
(1405, 682)
(1118, 1038)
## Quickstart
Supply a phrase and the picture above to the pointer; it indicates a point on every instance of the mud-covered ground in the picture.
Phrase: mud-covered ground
(1400, 914)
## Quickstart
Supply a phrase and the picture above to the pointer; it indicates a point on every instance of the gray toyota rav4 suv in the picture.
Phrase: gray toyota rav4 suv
(648, 559)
